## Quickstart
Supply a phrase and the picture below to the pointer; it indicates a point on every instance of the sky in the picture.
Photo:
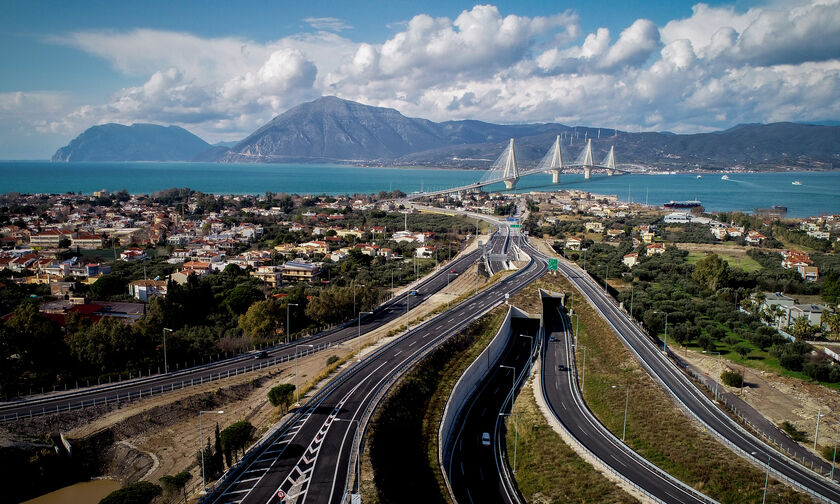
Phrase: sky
(222, 69)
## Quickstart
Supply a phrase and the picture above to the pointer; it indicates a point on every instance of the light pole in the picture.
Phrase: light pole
(201, 445)
(817, 432)
(606, 276)
(665, 344)
(583, 372)
(358, 455)
(297, 358)
(354, 297)
(288, 322)
(360, 331)
(766, 478)
(530, 347)
(626, 404)
(513, 382)
(515, 434)
(834, 457)
(716, 382)
(165, 363)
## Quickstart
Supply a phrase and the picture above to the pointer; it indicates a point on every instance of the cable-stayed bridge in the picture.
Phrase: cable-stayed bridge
(506, 170)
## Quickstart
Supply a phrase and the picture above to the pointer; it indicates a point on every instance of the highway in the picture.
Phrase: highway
(560, 389)
(308, 457)
(692, 399)
(478, 472)
(130, 390)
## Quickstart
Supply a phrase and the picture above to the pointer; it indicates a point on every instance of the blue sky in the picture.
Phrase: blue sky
(222, 71)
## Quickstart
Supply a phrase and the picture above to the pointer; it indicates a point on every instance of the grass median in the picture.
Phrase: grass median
(656, 428)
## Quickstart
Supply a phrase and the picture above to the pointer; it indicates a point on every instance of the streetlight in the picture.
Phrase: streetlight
(165, 363)
(530, 348)
(665, 344)
(817, 432)
(766, 478)
(515, 435)
(297, 358)
(626, 404)
(834, 457)
(716, 382)
(358, 455)
(513, 382)
(360, 331)
(201, 445)
(606, 276)
(288, 322)
(583, 373)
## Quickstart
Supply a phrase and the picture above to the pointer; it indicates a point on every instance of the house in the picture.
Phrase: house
(133, 254)
(87, 240)
(314, 247)
(809, 273)
(655, 248)
(143, 290)
(647, 236)
(719, 232)
(48, 238)
(630, 260)
(594, 227)
(425, 251)
(299, 271)
(735, 232)
(272, 275)
(678, 218)
(614, 234)
(754, 238)
(819, 235)
(810, 311)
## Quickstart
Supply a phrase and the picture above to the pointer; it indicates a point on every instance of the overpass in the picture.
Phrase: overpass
(506, 170)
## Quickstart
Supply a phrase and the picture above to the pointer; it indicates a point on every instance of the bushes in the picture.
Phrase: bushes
(282, 394)
(794, 433)
(332, 359)
(732, 379)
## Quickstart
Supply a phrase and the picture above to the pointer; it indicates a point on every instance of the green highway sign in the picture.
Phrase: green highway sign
(552, 264)
(516, 225)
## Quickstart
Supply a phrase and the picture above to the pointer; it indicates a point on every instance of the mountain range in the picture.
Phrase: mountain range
(331, 129)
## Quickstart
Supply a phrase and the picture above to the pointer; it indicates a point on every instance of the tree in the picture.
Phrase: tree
(141, 492)
(711, 272)
(235, 437)
(241, 297)
(802, 328)
(281, 395)
(832, 322)
(262, 320)
(176, 484)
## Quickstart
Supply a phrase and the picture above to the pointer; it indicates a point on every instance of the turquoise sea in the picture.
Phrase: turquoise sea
(818, 194)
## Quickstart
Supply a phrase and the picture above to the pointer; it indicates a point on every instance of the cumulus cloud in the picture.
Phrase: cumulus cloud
(716, 67)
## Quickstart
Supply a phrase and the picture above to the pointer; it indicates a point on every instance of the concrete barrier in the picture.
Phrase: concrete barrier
(464, 388)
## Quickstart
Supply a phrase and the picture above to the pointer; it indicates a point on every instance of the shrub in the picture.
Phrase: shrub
(827, 452)
(281, 394)
(732, 378)
(141, 492)
(794, 433)
(791, 361)
(332, 359)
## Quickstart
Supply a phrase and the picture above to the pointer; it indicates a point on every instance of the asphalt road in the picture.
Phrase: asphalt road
(476, 470)
(308, 457)
(560, 388)
(130, 390)
(693, 399)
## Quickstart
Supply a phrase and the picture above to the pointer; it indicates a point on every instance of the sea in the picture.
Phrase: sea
(818, 194)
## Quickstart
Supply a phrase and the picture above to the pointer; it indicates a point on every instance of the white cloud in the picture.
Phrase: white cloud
(714, 68)
(327, 23)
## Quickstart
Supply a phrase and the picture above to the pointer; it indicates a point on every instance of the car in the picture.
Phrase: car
(261, 355)
(561, 367)
(452, 271)
(485, 438)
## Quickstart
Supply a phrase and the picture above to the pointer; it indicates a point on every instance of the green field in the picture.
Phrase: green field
(745, 263)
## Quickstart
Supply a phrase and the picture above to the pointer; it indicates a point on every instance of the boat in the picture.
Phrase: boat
(797, 182)
(725, 177)
(682, 204)
(699, 176)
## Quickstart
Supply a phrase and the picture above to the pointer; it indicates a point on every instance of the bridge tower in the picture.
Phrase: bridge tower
(511, 172)
(556, 162)
(588, 161)
(610, 162)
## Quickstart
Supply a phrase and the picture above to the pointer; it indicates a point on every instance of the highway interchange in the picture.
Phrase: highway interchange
(309, 457)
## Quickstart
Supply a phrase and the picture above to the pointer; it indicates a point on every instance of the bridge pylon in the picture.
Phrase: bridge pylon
(511, 172)
(556, 162)
(610, 162)
(588, 161)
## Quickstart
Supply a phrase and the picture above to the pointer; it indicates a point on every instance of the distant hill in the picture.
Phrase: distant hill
(332, 129)
(138, 142)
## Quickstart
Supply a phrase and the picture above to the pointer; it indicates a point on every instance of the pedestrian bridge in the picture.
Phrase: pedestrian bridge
(506, 170)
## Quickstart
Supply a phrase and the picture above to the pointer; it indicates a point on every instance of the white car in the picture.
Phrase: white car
(485, 438)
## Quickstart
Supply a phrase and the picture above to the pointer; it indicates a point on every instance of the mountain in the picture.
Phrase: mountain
(138, 142)
(332, 129)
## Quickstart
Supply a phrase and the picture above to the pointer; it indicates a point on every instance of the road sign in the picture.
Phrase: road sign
(281, 494)
(516, 225)
(552, 264)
